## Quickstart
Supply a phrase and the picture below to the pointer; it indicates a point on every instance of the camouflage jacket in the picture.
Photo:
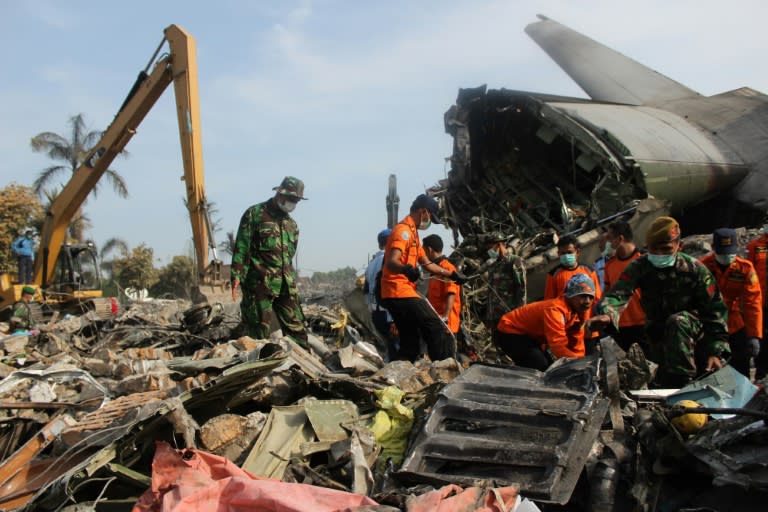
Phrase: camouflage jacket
(22, 316)
(685, 286)
(506, 287)
(264, 249)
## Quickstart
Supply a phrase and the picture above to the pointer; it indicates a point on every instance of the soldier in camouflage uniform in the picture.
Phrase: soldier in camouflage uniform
(262, 264)
(506, 280)
(21, 318)
(686, 318)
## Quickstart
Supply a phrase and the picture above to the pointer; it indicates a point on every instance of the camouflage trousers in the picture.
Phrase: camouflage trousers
(673, 347)
(258, 314)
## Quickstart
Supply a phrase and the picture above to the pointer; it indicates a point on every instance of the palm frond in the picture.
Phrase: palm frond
(45, 177)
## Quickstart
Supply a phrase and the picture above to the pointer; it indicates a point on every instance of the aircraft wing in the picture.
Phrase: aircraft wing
(603, 73)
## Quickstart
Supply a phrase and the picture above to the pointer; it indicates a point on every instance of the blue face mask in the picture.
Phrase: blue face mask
(609, 250)
(493, 254)
(568, 260)
(661, 260)
(725, 259)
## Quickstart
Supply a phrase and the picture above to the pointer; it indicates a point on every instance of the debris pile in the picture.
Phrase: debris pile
(91, 413)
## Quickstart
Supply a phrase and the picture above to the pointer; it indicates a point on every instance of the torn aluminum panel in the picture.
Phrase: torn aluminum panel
(735, 450)
(512, 426)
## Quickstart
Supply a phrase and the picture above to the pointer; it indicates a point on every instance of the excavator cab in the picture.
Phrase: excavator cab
(77, 271)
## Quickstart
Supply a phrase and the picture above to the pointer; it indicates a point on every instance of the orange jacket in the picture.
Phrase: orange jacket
(552, 322)
(406, 238)
(558, 277)
(633, 315)
(740, 289)
(757, 253)
(437, 295)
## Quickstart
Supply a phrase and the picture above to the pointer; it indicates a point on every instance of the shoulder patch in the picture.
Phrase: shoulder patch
(405, 235)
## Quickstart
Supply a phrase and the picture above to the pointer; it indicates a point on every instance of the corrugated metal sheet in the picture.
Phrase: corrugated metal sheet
(512, 426)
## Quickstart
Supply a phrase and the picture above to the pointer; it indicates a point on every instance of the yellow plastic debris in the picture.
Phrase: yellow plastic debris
(689, 423)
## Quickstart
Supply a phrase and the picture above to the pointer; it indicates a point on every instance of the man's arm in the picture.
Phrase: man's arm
(713, 314)
(753, 305)
(241, 251)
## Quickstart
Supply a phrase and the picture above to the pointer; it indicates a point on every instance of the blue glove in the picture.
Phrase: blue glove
(753, 346)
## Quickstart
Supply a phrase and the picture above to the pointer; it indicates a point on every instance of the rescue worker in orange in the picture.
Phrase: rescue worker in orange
(568, 250)
(740, 288)
(757, 253)
(537, 333)
(632, 321)
(443, 294)
(413, 316)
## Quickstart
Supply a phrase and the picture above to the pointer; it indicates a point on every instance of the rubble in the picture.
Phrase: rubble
(408, 436)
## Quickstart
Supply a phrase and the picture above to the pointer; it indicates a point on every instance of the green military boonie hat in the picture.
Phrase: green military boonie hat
(292, 187)
(28, 289)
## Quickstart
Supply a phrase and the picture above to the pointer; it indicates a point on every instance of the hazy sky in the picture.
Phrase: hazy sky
(338, 93)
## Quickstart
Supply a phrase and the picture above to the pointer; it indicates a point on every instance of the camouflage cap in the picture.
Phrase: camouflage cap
(28, 290)
(580, 284)
(292, 187)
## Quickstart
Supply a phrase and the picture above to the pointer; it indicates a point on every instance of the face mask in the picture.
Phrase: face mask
(661, 260)
(725, 259)
(568, 260)
(493, 254)
(425, 224)
(609, 250)
(286, 205)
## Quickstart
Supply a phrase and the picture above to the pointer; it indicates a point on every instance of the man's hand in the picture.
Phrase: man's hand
(753, 346)
(235, 286)
(714, 363)
(458, 277)
(596, 322)
(412, 273)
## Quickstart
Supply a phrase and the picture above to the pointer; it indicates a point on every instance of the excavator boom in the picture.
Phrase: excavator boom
(177, 66)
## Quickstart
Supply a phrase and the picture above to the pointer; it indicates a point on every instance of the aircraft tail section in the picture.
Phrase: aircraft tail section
(603, 73)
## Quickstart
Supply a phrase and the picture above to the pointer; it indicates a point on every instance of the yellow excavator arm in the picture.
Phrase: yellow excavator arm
(179, 66)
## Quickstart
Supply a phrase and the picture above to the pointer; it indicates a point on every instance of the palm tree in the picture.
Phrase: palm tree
(77, 225)
(228, 245)
(70, 153)
(111, 245)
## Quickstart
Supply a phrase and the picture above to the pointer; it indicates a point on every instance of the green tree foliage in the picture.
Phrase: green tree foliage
(19, 210)
(340, 277)
(136, 270)
(69, 152)
(175, 279)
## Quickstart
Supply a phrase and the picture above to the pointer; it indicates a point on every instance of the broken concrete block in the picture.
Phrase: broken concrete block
(97, 367)
(15, 344)
(445, 370)
(51, 344)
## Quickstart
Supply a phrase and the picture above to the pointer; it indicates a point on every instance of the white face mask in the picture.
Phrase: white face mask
(286, 205)
(425, 224)
(493, 254)
(609, 251)
(725, 259)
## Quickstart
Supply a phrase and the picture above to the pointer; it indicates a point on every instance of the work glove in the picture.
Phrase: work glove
(753, 346)
(458, 278)
(412, 273)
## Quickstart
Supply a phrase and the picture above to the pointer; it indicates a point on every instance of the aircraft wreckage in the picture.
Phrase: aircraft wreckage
(536, 166)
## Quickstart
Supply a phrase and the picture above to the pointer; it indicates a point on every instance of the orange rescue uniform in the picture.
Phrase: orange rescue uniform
(437, 295)
(633, 315)
(406, 238)
(552, 322)
(559, 277)
(757, 254)
(740, 289)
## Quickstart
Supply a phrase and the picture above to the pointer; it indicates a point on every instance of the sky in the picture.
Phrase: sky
(340, 94)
